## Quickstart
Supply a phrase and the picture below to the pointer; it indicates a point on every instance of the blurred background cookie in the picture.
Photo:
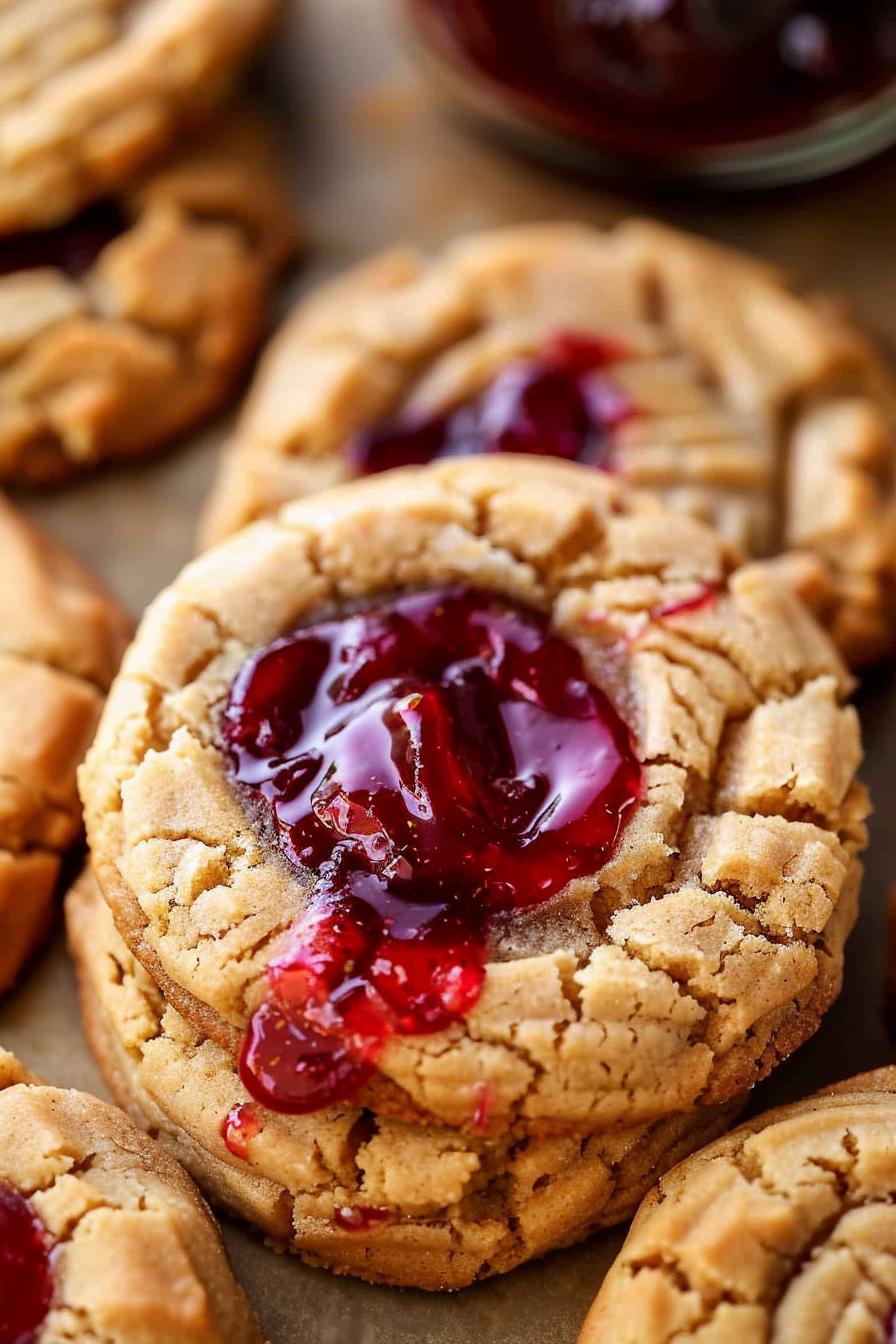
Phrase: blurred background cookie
(92, 89)
(690, 370)
(127, 325)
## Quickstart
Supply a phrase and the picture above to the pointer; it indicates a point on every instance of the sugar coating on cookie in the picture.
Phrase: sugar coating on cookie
(93, 89)
(785, 1229)
(61, 639)
(416, 1206)
(693, 371)
(701, 952)
(102, 1235)
(129, 323)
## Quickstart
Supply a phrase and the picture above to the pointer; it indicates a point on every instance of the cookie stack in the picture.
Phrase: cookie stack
(468, 840)
(141, 225)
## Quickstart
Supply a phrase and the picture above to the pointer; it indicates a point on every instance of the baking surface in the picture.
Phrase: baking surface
(374, 162)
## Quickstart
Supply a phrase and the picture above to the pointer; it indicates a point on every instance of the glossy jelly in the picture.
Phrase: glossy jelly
(26, 1273)
(438, 761)
(559, 403)
(240, 1126)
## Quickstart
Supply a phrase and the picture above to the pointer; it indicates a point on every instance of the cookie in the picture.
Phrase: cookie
(102, 1235)
(392, 1203)
(61, 640)
(692, 371)
(554, 802)
(128, 324)
(782, 1230)
(90, 90)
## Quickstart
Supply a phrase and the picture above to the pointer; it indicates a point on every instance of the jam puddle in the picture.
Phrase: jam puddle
(439, 761)
(559, 403)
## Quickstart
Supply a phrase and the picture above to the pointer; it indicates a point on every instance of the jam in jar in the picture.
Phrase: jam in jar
(744, 92)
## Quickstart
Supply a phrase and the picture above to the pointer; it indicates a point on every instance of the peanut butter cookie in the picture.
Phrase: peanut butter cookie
(61, 639)
(484, 779)
(416, 1206)
(128, 324)
(692, 371)
(92, 89)
(783, 1230)
(102, 1236)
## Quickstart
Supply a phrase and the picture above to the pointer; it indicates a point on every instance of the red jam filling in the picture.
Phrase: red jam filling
(360, 1217)
(439, 761)
(704, 597)
(26, 1273)
(73, 247)
(557, 404)
(485, 1100)
(240, 1126)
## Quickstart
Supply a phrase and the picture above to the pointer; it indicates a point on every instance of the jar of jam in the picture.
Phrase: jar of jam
(741, 92)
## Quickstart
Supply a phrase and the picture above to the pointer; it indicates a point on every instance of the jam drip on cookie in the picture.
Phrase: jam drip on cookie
(360, 1217)
(438, 761)
(74, 247)
(239, 1127)
(26, 1273)
(559, 403)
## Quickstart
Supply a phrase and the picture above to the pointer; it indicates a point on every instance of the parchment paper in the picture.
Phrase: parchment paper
(373, 161)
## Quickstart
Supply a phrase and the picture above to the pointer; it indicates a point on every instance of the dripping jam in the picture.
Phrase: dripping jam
(239, 1127)
(360, 1217)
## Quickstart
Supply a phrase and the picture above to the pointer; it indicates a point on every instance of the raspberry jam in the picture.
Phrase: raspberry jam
(556, 404)
(764, 90)
(438, 761)
(240, 1126)
(360, 1217)
(26, 1273)
(73, 247)
(704, 597)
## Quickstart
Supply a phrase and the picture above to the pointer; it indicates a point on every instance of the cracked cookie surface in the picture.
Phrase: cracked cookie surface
(121, 1248)
(784, 1230)
(390, 1202)
(129, 324)
(721, 390)
(61, 639)
(702, 953)
(92, 89)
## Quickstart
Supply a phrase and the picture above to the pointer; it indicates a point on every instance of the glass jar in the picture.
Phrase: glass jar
(740, 92)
